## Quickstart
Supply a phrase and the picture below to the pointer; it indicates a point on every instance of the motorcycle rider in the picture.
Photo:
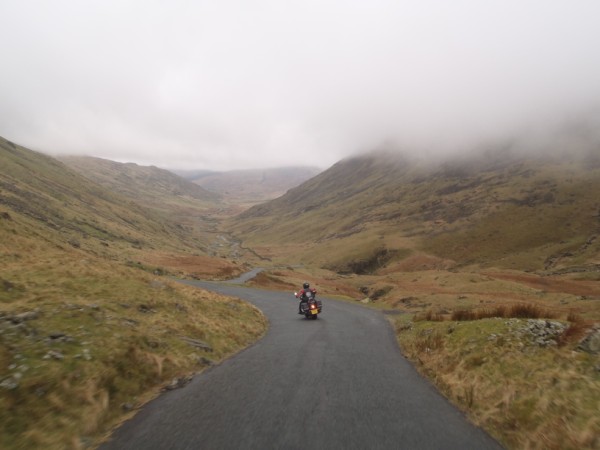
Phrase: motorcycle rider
(302, 295)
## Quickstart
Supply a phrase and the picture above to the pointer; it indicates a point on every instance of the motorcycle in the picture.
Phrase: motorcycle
(309, 305)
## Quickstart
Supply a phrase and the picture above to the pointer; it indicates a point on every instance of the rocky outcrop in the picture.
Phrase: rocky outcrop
(543, 332)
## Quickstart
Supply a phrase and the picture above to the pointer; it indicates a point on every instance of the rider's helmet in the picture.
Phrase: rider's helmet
(306, 285)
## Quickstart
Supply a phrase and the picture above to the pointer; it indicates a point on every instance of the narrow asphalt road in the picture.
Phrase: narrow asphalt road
(339, 382)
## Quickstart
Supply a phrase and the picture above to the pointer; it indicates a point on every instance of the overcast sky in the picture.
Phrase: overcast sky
(228, 84)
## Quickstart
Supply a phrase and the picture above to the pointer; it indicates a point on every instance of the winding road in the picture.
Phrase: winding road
(339, 382)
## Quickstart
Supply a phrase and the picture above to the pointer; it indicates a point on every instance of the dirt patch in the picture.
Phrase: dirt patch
(271, 281)
(195, 266)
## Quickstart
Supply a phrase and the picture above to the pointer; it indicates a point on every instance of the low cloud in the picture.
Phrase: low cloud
(232, 84)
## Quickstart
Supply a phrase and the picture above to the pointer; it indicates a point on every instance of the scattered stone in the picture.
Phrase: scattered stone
(145, 309)
(203, 361)
(131, 322)
(57, 335)
(95, 307)
(127, 406)
(9, 384)
(29, 315)
(177, 383)
(52, 354)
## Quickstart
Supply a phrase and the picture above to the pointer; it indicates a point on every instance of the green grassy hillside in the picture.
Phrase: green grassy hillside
(147, 185)
(68, 209)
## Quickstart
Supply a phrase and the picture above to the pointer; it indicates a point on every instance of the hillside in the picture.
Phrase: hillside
(191, 209)
(149, 186)
(488, 267)
(90, 329)
(498, 209)
(246, 188)
(49, 200)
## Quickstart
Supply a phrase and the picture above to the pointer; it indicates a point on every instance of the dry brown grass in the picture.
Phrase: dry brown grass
(524, 395)
(129, 321)
(192, 266)
(519, 311)
(577, 329)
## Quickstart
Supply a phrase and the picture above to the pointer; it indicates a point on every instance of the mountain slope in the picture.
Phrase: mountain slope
(64, 206)
(47, 201)
(149, 186)
(526, 212)
(87, 325)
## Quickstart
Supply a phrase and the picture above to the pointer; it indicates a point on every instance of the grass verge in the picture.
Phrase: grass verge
(85, 342)
(525, 394)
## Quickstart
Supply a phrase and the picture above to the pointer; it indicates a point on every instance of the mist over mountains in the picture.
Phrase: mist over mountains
(90, 247)
(504, 207)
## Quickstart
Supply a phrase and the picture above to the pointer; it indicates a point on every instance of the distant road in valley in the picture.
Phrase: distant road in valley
(339, 382)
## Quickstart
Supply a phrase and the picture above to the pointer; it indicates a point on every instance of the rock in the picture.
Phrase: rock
(203, 361)
(74, 243)
(591, 343)
(9, 384)
(177, 383)
(197, 343)
(29, 315)
(7, 285)
(145, 309)
(543, 332)
(56, 335)
(127, 406)
(52, 354)
(130, 322)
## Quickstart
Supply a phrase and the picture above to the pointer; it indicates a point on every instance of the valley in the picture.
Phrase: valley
(462, 257)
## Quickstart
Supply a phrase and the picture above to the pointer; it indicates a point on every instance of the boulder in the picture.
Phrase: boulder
(591, 343)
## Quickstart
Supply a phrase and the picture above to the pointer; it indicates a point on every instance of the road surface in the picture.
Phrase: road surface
(339, 382)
